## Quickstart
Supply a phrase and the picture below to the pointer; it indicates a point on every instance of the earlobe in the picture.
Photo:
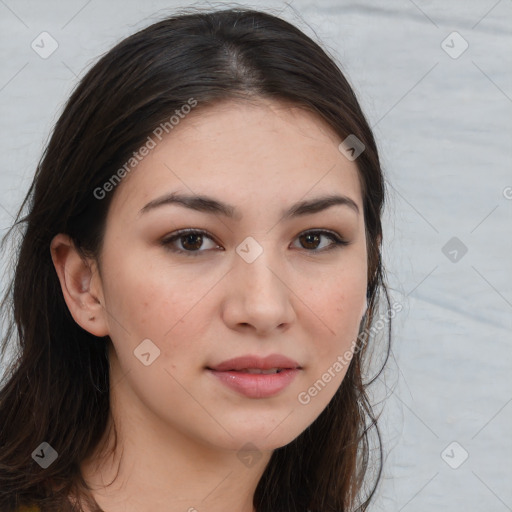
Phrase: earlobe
(80, 284)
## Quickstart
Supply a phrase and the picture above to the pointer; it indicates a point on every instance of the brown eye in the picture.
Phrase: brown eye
(312, 240)
(189, 241)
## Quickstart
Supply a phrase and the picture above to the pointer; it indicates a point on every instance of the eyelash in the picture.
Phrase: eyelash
(166, 242)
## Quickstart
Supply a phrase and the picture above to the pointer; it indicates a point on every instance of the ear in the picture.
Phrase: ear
(81, 285)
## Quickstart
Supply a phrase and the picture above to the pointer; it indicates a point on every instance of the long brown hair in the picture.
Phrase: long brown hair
(56, 388)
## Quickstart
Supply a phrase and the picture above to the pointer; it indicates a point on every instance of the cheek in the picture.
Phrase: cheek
(137, 304)
(164, 307)
(340, 304)
(338, 307)
(146, 295)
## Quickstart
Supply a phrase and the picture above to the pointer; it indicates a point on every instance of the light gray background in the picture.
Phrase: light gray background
(444, 129)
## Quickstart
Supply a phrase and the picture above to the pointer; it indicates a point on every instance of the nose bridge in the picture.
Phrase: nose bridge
(258, 295)
(257, 265)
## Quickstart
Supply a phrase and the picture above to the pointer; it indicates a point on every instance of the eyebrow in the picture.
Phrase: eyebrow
(208, 204)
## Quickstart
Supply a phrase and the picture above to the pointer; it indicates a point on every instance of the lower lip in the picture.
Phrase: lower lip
(256, 385)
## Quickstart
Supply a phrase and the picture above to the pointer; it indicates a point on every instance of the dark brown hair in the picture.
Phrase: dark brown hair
(56, 389)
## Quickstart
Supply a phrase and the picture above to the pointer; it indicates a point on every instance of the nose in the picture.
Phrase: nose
(258, 298)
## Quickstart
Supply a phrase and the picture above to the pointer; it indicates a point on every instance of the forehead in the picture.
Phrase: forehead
(261, 152)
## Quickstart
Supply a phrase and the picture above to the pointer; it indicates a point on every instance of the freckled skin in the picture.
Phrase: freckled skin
(177, 422)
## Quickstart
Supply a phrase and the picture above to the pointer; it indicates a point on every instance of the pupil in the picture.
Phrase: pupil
(311, 239)
(189, 239)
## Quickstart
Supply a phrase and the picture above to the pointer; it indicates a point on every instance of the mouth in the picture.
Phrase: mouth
(256, 377)
(255, 364)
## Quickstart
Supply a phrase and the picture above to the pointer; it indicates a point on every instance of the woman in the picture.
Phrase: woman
(196, 282)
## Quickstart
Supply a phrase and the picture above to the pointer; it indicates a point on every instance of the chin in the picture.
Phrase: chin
(265, 430)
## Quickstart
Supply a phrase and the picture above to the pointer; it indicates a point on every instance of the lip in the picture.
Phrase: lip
(255, 385)
(261, 363)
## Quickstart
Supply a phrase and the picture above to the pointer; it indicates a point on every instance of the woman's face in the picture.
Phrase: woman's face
(260, 278)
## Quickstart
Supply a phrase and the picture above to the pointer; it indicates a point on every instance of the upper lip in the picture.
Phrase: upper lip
(256, 362)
